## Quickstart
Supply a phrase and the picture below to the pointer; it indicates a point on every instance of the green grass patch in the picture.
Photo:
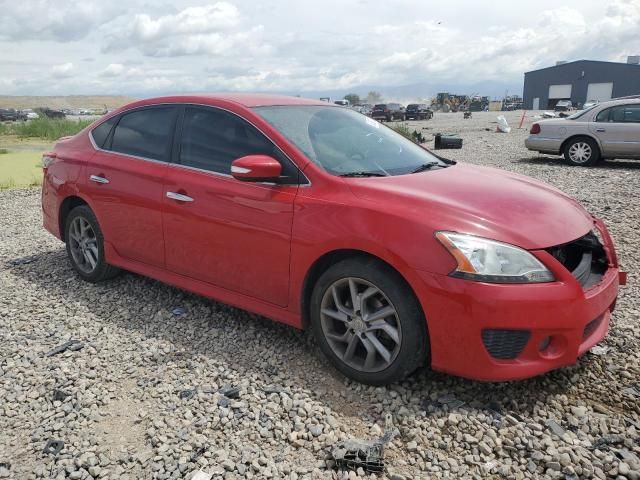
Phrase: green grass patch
(20, 169)
(413, 135)
(402, 129)
(43, 127)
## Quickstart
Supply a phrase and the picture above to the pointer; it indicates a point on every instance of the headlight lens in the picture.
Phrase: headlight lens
(489, 261)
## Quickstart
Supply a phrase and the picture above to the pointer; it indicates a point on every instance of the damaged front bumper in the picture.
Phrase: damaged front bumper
(498, 332)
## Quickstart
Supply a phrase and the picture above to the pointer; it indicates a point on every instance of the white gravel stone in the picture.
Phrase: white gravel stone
(124, 416)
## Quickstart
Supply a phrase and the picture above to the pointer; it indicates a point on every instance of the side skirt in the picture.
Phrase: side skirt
(198, 287)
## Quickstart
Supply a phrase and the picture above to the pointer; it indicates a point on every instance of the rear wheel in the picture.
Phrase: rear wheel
(368, 322)
(582, 151)
(85, 246)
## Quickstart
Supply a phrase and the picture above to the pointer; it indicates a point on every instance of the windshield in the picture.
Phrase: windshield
(343, 141)
(581, 113)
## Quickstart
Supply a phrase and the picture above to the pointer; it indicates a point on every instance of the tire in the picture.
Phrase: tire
(82, 229)
(582, 152)
(402, 334)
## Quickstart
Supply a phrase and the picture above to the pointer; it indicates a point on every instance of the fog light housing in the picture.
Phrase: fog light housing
(544, 344)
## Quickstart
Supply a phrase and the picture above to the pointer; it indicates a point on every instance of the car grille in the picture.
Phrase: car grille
(505, 344)
(585, 258)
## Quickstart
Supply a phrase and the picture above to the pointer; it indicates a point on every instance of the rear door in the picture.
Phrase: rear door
(618, 129)
(232, 234)
(125, 180)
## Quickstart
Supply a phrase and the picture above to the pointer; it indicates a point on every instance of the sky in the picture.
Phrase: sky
(146, 48)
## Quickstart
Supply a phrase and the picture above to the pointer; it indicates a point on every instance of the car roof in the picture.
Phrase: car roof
(245, 99)
(619, 101)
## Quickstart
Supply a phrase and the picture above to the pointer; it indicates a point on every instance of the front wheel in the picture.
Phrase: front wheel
(85, 246)
(582, 151)
(368, 322)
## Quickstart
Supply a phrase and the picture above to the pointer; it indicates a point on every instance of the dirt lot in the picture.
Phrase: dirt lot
(142, 400)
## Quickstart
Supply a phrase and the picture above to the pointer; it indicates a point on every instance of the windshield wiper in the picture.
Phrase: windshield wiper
(363, 174)
(426, 166)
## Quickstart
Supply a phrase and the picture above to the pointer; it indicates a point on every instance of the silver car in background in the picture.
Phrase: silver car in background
(604, 131)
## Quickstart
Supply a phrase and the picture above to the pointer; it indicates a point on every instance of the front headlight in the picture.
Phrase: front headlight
(489, 261)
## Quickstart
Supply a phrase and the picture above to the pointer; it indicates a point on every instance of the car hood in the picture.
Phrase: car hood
(481, 201)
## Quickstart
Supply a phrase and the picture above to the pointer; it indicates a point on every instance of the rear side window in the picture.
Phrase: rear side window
(212, 139)
(102, 131)
(632, 113)
(620, 114)
(145, 133)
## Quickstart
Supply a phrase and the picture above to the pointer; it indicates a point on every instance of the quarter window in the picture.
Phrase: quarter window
(212, 139)
(145, 133)
(102, 131)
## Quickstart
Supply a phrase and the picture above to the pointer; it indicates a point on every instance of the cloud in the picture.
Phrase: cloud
(113, 70)
(561, 34)
(64, 70)
(46, 20)
(192, 31)
(145, 48)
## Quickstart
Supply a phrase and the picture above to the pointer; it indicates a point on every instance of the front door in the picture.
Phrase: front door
(232, 234)
(618, 129)
(124, 180)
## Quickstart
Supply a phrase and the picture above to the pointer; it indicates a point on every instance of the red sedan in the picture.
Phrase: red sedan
(322, 218)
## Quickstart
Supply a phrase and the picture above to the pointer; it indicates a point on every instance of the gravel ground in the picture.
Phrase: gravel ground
(142, 398)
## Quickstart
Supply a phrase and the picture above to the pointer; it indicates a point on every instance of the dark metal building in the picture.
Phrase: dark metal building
(580, 81)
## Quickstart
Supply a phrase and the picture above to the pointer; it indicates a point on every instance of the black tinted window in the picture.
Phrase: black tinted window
(212, 139)
(145, 133)
(102, 131)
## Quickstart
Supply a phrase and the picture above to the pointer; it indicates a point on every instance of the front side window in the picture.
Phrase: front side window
(145, 133)
(212, 139)
(603, 116)
(344, 142)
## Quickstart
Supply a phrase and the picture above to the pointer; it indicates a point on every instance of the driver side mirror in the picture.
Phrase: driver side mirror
(256, 168)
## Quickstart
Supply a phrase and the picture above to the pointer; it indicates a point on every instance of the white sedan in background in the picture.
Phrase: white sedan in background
(606, 130)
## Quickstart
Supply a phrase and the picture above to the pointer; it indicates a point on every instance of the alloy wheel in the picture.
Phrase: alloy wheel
(360, 324)
(83, 245)
(580, 152)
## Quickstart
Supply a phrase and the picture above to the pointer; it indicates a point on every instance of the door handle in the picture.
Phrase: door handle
(98, 179)
(179, 197)
(601, 130)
